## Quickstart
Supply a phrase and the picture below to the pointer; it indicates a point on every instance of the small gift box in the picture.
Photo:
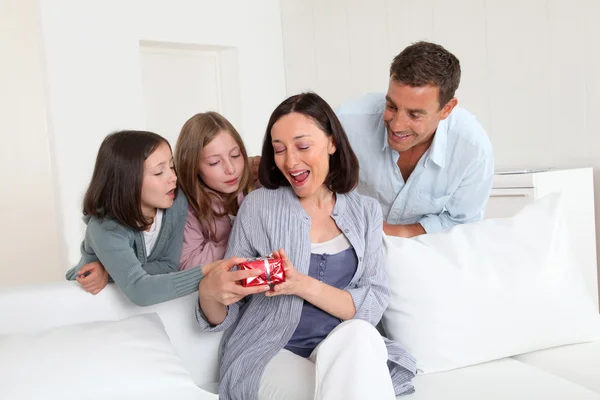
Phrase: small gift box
(272, 271)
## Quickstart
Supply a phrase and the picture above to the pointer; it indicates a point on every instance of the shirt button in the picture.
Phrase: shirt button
(321, 273)
(347, 230)
(322, 258)
(321, 264)
(334, 214)
(359, 258)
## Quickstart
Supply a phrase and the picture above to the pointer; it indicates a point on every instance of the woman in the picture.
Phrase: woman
(135, 222)
(312, 336)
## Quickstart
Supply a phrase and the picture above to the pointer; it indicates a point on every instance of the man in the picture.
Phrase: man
(429, 163)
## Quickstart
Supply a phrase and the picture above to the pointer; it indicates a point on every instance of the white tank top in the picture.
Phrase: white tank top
(333, 246)
(152, 234)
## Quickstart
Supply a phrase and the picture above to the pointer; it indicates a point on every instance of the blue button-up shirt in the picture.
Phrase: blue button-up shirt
(450, 184)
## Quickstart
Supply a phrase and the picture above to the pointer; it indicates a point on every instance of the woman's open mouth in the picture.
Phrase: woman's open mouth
(299, 177)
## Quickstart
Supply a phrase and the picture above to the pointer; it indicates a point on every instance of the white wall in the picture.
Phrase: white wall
(94, 75)
(531, 69)
(30, 245)
(531, 72)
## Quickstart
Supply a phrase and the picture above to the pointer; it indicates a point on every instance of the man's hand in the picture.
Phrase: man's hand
(405, 231)
(96, 280)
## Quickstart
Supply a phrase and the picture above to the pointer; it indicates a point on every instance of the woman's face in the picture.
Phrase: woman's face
(159, 181)
(222, 164)
(302, 152)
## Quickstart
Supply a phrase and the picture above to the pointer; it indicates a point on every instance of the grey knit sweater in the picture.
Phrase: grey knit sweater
(146, 280)
(258, 326)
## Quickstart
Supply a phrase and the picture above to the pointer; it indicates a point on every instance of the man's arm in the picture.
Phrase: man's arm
(406, 231)
(466, 204)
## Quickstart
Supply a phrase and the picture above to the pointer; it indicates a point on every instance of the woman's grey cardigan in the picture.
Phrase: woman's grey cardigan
(258, 326)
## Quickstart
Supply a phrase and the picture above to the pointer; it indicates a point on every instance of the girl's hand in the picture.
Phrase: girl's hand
(295, 282)
(96, 280)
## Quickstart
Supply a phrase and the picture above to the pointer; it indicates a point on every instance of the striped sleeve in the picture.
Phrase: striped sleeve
(371, 294)
(238, 246)
(232, 314)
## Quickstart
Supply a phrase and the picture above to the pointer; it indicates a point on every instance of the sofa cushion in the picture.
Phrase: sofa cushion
(130, 358)
(488, 290)
(579, 363)
(505, 379)
(47, 306)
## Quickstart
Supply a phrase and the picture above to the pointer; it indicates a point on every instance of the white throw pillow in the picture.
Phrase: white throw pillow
(128, 359)
(488, 290)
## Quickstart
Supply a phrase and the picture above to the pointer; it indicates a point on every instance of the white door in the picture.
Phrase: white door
(178, 83)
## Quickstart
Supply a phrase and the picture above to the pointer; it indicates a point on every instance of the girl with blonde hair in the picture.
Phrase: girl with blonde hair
(214, 173)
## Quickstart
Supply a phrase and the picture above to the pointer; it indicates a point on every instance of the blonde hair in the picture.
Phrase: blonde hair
(196, 134)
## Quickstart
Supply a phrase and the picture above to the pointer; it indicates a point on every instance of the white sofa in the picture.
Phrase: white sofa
(569, 372)
(459, 299)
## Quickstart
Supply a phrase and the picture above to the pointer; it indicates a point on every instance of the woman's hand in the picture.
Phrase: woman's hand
(96, 280)
(295, 282)
(223, 286)
(334, 301)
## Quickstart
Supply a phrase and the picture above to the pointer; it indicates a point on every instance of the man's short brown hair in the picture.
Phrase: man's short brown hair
(423, 64)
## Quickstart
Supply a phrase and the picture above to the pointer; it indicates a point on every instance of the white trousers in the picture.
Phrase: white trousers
(351, 363)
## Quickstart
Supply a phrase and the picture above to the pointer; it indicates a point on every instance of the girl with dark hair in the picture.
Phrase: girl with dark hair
(312, 336)
(135, 221)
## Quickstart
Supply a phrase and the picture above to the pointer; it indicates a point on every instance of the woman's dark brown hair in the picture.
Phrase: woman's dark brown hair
(195, 135)
(115, 190)
(343, 164)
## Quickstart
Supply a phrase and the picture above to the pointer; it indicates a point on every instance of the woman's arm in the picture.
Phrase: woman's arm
(220, 289)
(332, 300)
(221, 295)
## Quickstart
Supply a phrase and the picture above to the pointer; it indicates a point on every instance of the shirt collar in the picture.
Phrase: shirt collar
(384, 135)
(437, 150)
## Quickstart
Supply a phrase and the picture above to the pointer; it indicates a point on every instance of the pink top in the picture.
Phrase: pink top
(197, 248)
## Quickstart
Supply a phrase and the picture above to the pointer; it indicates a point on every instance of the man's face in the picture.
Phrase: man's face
(412, 115)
